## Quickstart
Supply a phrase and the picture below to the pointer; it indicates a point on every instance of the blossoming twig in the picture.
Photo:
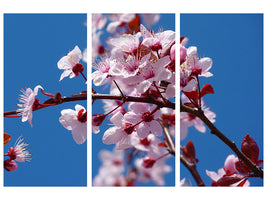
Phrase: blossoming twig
(257, 170)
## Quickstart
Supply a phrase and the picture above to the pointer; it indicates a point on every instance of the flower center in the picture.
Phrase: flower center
(145, 141)
(147, 117)
(128, 128)
(77, 69)
(82, 117)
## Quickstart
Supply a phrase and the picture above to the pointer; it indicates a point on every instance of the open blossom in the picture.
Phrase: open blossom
(228, 175)
(29, 102)
(154, 73)
(195, 65)
(143, 112)
(118, 134)
(119, 19)
(156, 41)
(111, 171)
(70, 62)
(127, 43)
(20, 151)
(75, 121)
(155, 173)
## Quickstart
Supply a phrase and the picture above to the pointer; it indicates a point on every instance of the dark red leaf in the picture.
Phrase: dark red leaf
(192, 95)
(229, 180)
(181, 39)
(189, 151)
(242, 168)
(206, 89)
(250, 148)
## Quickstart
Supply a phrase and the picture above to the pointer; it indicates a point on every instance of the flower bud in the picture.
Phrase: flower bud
(148, 162)
(10, 165)
(77, 69)
(97, 119)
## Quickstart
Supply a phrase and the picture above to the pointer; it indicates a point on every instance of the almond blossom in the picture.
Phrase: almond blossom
(143, 117)
(195, 65)
(76, 122)
(29, 102)
(120, 133)
(20, 151)
(155, 173)
(68, 62)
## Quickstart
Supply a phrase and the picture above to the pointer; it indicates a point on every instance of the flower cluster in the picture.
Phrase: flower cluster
(138, 63)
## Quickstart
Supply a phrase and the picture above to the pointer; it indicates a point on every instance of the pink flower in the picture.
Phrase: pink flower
(70, 62)
(117, 20)
(101, 75)
(149, 144)
(156, 41)
(29, 102)
(118, 134)
(75, 121)
(196, 65)
(228, 175)
(155, 173)
(110, 172)
(20, 152)
(127, 43)
(154, 73)
(142, 112)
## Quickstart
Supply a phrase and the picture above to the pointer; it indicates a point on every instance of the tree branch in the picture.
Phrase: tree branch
(76, 97)
(160, 104)
(193, 170)
(199, 113)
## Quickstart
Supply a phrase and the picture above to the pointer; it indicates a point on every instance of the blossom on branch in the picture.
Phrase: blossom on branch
(76, 122)
(70, 63)
(29, 102)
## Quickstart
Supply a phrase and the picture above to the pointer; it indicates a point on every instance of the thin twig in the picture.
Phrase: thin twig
(191, 166)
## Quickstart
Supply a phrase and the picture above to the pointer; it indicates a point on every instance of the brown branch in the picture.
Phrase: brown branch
(76, 97)
(199, 113)
(191, 166)
(160, 104)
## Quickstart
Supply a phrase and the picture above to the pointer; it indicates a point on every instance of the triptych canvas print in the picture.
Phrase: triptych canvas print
(108, 109)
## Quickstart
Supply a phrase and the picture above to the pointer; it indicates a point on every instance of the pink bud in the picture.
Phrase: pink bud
(10, 165)
(148, 162)
(229, 165)
(82, 117)
(97, 119)
(77, 69)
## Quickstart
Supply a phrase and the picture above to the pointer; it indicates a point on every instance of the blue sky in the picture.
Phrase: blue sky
(235, 44)
(33, 44)
(166, 22)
